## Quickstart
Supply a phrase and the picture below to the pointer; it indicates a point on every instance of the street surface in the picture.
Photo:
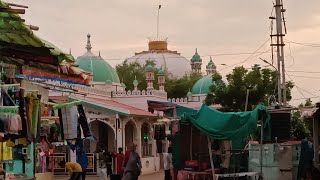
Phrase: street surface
(154, 176)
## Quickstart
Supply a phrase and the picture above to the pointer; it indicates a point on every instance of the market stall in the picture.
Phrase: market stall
(24, 59)
(224, 135)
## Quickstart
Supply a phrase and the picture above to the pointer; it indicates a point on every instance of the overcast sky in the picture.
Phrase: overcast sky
(121, 27)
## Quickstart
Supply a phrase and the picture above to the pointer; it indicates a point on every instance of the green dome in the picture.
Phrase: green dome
(161, 72)
(135, 82)
(189, 94)
(202, 86)
(150, 68)
(196, 57)
(101, 70)
(211, 64)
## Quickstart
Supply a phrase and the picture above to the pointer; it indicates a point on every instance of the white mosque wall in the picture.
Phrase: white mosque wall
(139, 99)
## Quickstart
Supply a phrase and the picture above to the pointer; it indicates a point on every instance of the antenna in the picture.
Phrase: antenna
(158, 21)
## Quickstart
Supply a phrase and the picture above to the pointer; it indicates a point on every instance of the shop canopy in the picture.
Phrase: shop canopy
(113, 107)
(169, 108)
(228, 125)
(20, 46)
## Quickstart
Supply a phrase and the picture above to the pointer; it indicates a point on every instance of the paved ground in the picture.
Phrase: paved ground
(154, 176)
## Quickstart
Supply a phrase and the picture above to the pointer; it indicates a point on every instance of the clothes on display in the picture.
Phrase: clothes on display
(10, 123)
(70, 121)
(159, 132)
(83, 122)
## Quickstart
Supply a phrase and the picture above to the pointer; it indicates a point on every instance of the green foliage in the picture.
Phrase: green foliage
(308, 102)
(179, 87)
(175, 87)
(127, 73)
(232, 96)
(299, 126)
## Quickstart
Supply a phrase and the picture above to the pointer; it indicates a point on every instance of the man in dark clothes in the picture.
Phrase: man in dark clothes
(306, 158)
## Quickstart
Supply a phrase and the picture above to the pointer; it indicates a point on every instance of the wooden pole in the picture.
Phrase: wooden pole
(15, 11)
(191, 143)
(211, 159)
(247, 100)
(17, 5)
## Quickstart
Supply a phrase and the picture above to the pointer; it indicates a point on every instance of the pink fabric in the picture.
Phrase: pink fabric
(182, 175)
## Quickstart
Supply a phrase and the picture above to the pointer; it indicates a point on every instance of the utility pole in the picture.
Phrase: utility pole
(281, 76)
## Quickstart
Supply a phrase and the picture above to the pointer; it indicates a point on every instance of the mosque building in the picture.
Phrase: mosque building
(118, 117)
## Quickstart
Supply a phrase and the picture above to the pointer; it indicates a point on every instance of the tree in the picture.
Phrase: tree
(232, 95)
(179, 87)
(299, 127)
(127, 73)
(308, 102)
(175, 87)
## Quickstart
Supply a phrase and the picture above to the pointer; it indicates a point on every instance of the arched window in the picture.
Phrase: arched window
(146, 140)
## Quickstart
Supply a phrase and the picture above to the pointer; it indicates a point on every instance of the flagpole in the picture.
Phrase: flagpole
(158, 22)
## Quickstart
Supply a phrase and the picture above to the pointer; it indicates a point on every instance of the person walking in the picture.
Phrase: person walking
(131, 164)
(167, 163)
(119, 161)
(306, 158)
(82, 158)
(74, 169)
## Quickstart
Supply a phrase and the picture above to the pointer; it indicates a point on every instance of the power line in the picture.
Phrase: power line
(203, 56)
(305, 98)
(249, 57)
(315, 45)
(310, 77)
(307, 72)
(296, 86)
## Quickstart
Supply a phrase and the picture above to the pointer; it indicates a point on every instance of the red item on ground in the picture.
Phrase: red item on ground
(192, 163)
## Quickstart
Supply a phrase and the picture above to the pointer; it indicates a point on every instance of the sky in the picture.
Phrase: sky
(119, 28)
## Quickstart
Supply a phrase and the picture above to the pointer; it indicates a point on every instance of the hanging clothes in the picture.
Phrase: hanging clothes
(25, 132)
(35, 116)
(61, 123)
(70, 122)
(83, 122)
(160, 132)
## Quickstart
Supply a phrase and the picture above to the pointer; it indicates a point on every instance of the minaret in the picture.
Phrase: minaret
(161, 79)
(211, 67)
(149, 77)
(135, 83)
(196, 62)
(88, 46)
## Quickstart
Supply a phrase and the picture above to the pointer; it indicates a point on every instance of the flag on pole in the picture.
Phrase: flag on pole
(159, 6)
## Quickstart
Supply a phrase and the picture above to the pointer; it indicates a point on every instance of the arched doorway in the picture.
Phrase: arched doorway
(130, 132)
(146, 140)
(105, 136)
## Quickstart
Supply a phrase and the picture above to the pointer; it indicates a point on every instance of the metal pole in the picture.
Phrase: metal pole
(280, 55)
(211, 159)
(247, 100)
(261, 150)
(158, 22)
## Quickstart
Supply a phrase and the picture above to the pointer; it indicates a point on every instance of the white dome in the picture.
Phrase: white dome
(173, 62)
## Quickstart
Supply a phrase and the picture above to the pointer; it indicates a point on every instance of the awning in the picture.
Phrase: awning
(113, 107)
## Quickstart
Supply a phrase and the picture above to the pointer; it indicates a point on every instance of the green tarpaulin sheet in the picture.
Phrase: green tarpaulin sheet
(235, 126)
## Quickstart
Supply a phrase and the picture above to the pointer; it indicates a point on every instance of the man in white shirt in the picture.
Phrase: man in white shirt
(167, 162)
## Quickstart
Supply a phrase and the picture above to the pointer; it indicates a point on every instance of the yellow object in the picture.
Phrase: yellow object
(22, 141)
(1, 151)
(10, 143)
(73, 167)
(6, 152)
